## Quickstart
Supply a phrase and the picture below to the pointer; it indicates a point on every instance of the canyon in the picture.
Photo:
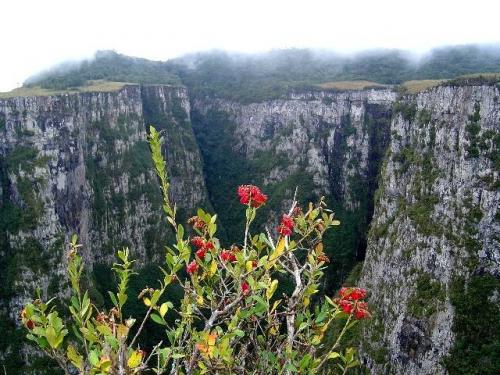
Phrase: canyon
(412, 177)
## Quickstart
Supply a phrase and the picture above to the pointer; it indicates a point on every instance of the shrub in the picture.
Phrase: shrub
(230, 319)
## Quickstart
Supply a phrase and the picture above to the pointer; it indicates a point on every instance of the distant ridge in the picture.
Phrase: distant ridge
(256, 77)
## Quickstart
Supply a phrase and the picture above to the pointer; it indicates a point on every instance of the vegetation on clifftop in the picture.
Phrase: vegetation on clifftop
(253, 78)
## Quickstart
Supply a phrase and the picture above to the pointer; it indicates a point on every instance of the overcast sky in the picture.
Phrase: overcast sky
(36, 34)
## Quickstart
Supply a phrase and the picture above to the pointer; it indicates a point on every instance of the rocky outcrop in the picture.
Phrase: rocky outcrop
(434, 236)
(80, 163)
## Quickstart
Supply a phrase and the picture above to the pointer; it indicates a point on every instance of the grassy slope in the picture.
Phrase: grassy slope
(351, 85)
(93, 86)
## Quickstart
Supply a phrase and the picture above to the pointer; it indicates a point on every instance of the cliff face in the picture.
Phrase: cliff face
(325, 143)
(433, 257)
(80, 163)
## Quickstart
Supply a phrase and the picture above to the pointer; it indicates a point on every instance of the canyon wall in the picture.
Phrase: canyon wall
(433, 260)
(80, 163)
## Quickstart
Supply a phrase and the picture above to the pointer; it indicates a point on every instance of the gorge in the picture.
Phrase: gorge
(413, 177)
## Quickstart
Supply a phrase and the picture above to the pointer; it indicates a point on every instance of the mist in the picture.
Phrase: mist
(42, 34)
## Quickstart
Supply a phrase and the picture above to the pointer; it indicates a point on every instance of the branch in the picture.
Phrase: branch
(208, 325)
(337, 342)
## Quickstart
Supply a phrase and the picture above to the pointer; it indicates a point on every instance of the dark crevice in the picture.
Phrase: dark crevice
(378, 120)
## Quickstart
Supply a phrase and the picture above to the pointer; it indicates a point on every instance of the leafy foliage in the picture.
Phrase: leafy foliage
(230, 318)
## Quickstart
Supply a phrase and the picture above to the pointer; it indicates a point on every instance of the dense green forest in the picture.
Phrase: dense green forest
(106, 65)
(254, 77)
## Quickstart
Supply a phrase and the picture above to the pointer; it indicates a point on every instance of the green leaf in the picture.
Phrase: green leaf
(85, 304)
(60, 337)
(42, 342)
(280, 248)
(50, 334)
(75, 303)
(329, 300)
(158, 319)
(155, 297)
(302, 326)
(122, 298)
(239, 333)
(163, 309)
(74, 357)
(333, 355)
(212, 228)
(89, 335)
(112, 341)
(353, 364)
(104, 329)
(349, 354)
(180, 232)
(113, 299)
(94, 357)
(55, 321)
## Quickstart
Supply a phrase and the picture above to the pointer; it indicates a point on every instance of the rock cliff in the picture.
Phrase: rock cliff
(433, 259)
(425, 167)
(80, 163)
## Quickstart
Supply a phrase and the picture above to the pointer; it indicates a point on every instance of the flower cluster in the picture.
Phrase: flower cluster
(350, 301)
(202, 246)
(245, 288)
(192, 267)
(228, 256)
(251, 195)
(286, 226)
(352, 294)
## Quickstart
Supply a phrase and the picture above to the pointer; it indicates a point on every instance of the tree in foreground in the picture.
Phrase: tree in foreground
(230, 320)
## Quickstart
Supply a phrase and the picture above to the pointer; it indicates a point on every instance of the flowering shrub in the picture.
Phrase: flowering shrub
(230, 320)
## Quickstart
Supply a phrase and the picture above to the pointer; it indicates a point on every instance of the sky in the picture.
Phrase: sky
(37, 34)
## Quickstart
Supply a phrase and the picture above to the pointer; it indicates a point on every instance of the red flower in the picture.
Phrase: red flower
(350, 302)
(245, 288)
(198, 242)
(192, 267)
(286, 226)
(30, 324)
(201, 253)
(227, 256)
(346, 306)
(354, 294)
(254, 264)
(202, 245)
(361, 310)
(251, 195)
